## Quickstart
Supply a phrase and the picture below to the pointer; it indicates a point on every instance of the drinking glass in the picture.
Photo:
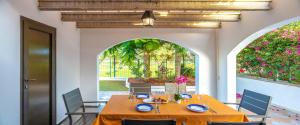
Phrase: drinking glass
(168, 97)
(199, 97)
(132, 96)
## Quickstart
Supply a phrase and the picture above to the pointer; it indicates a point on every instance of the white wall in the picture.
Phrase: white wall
(231, 34)
(283, 95)
(68, 41)
(94, 41)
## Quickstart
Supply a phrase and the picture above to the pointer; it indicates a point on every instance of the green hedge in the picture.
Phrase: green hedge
(275, 55)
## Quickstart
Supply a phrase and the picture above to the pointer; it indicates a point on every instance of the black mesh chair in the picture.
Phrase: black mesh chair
(254, 102)
(76, 108)
(148, 122)
(236, 123)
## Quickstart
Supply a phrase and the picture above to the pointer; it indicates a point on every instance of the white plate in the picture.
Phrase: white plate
(142, 96)
(197, 108)
(186, 96)
(147, 101)
(144, 107)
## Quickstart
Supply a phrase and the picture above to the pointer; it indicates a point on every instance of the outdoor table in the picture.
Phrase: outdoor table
(121, 107)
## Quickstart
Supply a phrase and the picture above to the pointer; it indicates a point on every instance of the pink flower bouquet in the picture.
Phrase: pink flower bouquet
(181, 80)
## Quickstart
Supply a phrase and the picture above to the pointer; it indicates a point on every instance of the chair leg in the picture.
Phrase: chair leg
(264, 120)
(70, 120)
(84, 118)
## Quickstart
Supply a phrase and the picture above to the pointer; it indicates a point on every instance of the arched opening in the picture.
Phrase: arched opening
(275, 56)
(155, 60)
(262, 48)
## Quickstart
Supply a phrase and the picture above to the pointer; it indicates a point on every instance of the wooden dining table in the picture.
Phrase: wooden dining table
(121, 107)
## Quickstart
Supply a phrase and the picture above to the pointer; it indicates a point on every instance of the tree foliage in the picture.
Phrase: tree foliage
(137, 54)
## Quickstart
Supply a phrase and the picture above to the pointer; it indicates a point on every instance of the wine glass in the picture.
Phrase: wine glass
(185, 99)
(168, 96)
(199, 97)
(132, 97)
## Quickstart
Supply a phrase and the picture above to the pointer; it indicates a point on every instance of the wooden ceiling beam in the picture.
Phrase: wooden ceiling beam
(157, 0)
(76, 5)
(133, 17)
(210, 25)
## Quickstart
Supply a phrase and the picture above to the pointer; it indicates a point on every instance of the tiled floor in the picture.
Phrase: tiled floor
(105, 95)
(280, 116)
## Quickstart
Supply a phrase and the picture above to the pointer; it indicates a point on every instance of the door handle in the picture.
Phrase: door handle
(26, 81)
(26, 85)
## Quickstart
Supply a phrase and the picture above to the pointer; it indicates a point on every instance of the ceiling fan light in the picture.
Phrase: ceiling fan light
(148, 18)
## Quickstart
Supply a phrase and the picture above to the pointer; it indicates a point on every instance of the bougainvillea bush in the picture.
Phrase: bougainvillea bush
(275, 55)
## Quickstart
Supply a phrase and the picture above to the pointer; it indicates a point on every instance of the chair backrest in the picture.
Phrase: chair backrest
(236, 123)
(255, 102)
(140, 88)
(182, 88)
(170, 88)
(148, 122)
(73, 100)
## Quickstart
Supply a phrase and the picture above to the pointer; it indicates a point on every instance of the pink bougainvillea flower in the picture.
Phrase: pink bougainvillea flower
(281, 71)
(285, 34)
(247, 63)
(266, 43)
(288, 51)
(264, 64)
(181, 80)
(259, 58)
(238, 95)
(270, 73)
(276, 30)
(242, 70)
(291, 36)
(257, 48)
(298, 52)
(293, 32)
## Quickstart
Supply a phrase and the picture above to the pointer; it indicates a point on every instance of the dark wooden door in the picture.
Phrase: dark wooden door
(38, 73)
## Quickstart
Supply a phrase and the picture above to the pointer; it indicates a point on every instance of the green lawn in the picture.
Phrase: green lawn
(111, 85)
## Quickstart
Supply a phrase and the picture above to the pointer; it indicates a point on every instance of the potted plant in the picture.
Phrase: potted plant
(177, 98)
(179, 80)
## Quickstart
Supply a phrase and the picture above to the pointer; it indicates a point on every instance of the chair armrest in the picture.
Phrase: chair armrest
(91, 106)
(228, 103)
(258, 116)
(100, 101)
(81, 113)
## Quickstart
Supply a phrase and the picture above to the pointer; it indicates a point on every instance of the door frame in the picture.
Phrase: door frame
(50, 30)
